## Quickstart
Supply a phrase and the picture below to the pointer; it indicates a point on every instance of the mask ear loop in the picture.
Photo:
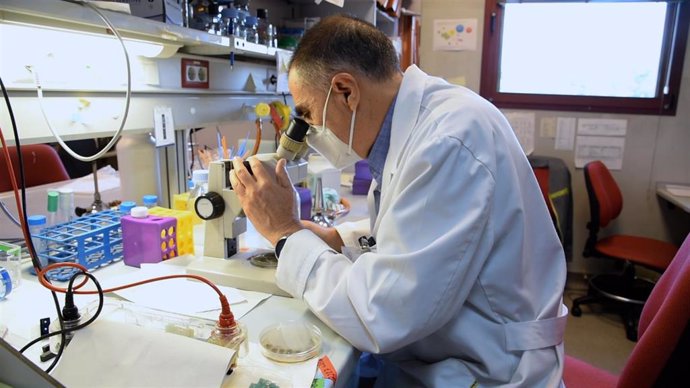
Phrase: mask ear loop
(352, 131)
(325, 106)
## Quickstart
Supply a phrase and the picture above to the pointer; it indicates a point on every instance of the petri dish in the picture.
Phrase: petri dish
(291, 341)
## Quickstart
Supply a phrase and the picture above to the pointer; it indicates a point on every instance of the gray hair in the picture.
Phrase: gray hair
(343, 43)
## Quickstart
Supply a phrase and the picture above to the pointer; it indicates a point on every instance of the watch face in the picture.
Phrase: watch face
(203, 207)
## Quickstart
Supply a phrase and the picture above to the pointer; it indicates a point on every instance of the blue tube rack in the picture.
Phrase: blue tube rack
(93, 240)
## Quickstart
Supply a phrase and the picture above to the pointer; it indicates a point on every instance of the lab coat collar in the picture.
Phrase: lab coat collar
(405, 115)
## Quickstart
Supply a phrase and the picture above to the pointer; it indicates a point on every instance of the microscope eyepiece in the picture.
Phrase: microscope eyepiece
(292, 141)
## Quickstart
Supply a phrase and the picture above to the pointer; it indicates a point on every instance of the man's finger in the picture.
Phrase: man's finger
(236, 184)
(241, 172)
(258, 170)
(282, 176)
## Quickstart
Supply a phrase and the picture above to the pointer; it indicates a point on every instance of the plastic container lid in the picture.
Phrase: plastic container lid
(38, 219)
(139, 212)
(126, 206)
(53, 197)
(200, 176)
(150, 199)
(291, 341)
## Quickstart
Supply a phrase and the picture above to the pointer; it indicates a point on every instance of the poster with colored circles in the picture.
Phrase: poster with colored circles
(455, 34)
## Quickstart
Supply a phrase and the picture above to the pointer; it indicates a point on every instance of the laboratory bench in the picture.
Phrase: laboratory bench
(676, 194)
(23, 320)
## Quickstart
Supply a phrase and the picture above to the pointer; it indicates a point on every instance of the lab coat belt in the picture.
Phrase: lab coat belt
(537, 334)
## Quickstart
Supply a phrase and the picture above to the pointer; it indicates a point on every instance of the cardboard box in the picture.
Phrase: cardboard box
(37, 198)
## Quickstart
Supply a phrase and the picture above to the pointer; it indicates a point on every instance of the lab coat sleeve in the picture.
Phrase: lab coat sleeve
(350, 232)
(431, 244)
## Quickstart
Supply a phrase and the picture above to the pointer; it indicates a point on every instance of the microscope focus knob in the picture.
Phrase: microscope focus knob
(209, 206)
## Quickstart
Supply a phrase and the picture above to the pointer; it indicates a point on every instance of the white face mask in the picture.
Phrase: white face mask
(322, 139)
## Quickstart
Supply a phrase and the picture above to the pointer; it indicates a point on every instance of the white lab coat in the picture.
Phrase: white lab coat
(466, 284)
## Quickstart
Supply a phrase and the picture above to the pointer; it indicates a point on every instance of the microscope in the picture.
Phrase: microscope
(223, 263)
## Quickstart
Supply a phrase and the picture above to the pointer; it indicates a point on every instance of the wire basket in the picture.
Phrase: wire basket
(94, 240)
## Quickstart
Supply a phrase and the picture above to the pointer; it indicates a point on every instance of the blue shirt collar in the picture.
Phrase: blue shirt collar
(379, 151)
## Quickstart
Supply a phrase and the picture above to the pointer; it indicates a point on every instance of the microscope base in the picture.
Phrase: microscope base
(237, 272)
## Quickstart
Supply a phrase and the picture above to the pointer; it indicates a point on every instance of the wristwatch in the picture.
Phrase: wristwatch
(280, 244)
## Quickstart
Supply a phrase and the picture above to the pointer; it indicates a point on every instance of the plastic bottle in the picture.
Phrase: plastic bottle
(65, 211)
(200, 181)
(5, 283)
(126, 207)
(137, 166)
(36, 225)
(250, 23)
(53, 197)
(150, 200)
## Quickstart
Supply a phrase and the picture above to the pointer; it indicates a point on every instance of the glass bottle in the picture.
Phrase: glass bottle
(233, 337)
(250, 23)
(230, 21)
(242, 7)
(263, 26)
(11, 262)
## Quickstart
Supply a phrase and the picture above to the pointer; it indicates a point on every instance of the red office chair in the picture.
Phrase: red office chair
(41, 165)
(625, 289)
(659, 359)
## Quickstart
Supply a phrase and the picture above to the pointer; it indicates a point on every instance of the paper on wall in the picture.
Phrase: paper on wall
(605, 148)
(455, 34)
(602, 127)
(565, 133)
(524, 127)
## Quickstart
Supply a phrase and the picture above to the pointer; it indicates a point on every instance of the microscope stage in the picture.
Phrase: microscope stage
(237, 272)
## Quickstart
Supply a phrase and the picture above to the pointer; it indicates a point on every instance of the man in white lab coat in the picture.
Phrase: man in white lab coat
(464, 287)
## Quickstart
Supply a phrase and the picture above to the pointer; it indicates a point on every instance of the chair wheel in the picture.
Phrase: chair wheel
(576, 311)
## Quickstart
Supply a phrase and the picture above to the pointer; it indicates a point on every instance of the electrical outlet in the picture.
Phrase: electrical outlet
(195, 73)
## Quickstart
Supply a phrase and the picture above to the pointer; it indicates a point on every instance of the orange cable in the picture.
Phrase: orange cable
(226, 316)
(258, 124)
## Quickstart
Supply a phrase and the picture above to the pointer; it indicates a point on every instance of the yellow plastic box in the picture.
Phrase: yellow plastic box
(185, 227)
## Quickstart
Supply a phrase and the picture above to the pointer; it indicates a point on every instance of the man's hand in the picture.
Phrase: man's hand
(267, 198)
(329, 235)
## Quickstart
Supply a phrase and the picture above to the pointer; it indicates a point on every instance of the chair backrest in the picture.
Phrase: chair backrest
(663, 347)
(605, 200)
(42, 165)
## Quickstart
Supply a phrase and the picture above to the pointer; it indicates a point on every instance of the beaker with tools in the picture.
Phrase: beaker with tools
(319, 215)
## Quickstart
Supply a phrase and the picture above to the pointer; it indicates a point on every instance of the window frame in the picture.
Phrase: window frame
(673, 55)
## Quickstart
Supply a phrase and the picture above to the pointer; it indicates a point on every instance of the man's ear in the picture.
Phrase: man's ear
(345, 85)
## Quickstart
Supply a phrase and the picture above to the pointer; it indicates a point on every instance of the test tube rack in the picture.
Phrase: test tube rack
(93, 240)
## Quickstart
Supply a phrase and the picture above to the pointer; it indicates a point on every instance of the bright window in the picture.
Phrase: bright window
(595, 56)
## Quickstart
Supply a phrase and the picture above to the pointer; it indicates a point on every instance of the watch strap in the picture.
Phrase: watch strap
(280, 244)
